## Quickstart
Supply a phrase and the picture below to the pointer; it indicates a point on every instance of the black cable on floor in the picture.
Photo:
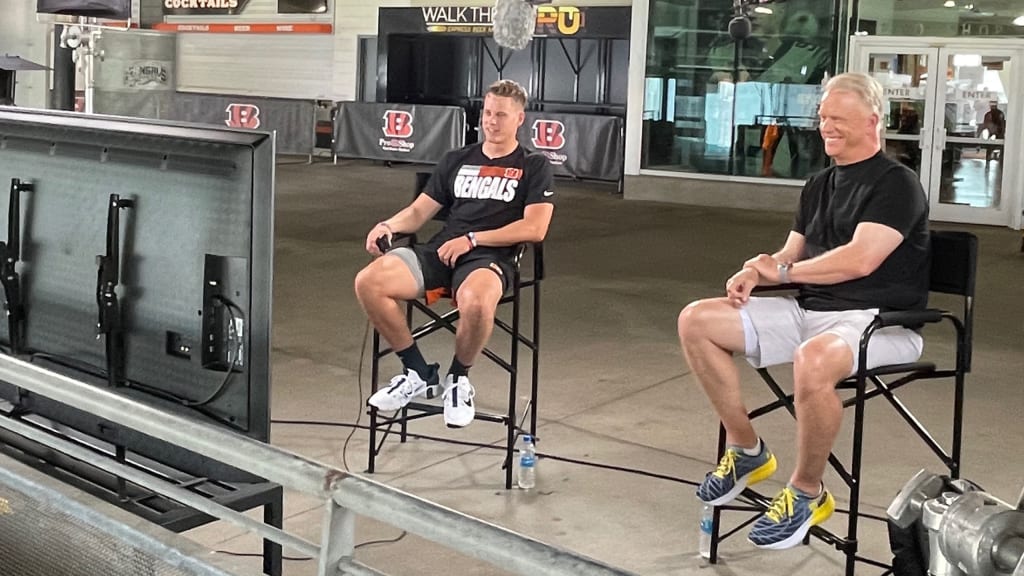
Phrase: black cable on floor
(359, 384)
(636, 471)
(555, 457)
(260, 555)
(306, 558)
(374, 542)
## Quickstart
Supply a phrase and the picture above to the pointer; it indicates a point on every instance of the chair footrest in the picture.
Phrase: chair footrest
(438, 409)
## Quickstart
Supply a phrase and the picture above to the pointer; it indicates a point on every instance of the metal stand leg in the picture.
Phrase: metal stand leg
(273, 514)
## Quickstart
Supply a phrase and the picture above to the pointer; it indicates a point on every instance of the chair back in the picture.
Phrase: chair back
(954, 261)
(954, 265)
(422, 178)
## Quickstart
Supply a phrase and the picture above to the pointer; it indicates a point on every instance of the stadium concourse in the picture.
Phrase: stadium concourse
(614, 388)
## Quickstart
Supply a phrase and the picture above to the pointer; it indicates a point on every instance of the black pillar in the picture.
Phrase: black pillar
(6, 87)
(63, 95)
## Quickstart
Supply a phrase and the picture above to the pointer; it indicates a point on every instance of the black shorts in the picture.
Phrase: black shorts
(437, 275)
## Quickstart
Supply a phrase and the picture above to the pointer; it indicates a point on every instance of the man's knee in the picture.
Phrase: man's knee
(369, 281)
(820, 363)
(365, 281)
(694, 319)
(477, 301)
(384, 277)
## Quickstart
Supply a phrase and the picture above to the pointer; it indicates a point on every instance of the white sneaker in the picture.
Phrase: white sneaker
(404, 388)
(458, 402)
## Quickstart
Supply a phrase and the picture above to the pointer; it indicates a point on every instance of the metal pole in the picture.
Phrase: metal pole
(242, 452)
(498, 546)
(513, 552)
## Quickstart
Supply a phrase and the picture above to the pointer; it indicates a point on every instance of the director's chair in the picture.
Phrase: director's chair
(953, 266)
(525, 255)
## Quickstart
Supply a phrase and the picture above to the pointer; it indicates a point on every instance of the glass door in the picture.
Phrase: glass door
(970, 175)
(952, 114)
(904, 73)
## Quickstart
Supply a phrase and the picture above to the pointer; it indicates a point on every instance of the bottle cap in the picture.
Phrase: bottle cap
(527, 438)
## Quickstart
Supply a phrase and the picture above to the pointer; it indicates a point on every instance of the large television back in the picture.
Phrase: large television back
(145, 266)
(113, 9)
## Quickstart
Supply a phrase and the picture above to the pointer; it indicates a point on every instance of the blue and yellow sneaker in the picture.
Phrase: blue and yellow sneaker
(735, 472)
(790, 516)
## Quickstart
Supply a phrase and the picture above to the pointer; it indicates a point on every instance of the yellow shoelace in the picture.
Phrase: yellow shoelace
(727, 465)
(782, 505)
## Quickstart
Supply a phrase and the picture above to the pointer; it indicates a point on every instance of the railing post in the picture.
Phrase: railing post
(338, 539)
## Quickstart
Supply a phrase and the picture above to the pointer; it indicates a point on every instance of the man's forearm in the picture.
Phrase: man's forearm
(833, 267)
(406, 221)
(784, 257)
(509, 235)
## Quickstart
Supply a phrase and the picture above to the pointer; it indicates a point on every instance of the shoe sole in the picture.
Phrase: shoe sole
(458, 425)
(759, 474)
(819, 516)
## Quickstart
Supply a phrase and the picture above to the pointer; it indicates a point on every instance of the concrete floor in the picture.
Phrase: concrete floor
(614, 389)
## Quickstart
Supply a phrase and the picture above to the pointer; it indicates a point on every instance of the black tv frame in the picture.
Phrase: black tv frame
(258, 148)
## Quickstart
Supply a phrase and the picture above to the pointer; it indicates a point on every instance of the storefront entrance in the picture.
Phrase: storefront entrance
(953, 114)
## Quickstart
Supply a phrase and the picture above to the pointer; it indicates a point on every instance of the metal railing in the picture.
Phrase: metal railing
(345, 496)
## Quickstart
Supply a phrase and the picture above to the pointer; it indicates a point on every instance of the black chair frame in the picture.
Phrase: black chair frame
(953, 269)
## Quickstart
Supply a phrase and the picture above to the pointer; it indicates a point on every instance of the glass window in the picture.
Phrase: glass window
(943, 18)
(698, 118)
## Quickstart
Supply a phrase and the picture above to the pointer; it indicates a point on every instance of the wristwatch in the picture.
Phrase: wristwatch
(784, 272)
(472, 238)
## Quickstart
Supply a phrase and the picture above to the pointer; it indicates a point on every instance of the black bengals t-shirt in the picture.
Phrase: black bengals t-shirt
(482, 193)
(881, 190)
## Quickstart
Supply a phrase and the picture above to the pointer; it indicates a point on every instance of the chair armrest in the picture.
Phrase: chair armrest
(384, 246)
(775, 288)
(520, 252)
(908, 318)
(538, 258)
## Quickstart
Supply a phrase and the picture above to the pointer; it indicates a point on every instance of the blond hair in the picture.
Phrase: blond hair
(509, 89)
(864, 87)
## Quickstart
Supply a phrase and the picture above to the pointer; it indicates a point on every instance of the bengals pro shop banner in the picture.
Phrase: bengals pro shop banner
(293, 120)
(577, 145)
(397, 132)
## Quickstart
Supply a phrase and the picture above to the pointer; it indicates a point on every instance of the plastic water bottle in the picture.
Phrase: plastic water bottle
(527, 476)
(706, 519)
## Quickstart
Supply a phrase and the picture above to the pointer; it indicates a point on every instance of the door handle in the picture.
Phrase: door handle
(940, 138)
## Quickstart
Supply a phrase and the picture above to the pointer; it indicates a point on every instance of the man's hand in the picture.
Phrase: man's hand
(450, 251)
(767, 268)
(738, 288)
(381, 229)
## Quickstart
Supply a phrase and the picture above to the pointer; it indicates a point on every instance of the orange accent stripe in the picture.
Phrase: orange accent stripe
(220, 28)
(494, 171)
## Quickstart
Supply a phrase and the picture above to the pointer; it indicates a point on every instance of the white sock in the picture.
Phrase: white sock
(755, 451)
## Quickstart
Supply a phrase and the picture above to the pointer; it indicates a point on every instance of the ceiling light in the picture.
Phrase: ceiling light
(1019, 20)
(763, 10)
(950, 4)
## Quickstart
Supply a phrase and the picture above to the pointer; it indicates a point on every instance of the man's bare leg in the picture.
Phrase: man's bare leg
(710, 332)
(818, 365)
(382, 287)
(477, 298)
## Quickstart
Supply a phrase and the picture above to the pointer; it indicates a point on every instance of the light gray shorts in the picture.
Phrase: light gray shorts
(774, 327)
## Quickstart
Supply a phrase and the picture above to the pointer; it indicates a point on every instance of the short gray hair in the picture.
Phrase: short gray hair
(864, 87)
